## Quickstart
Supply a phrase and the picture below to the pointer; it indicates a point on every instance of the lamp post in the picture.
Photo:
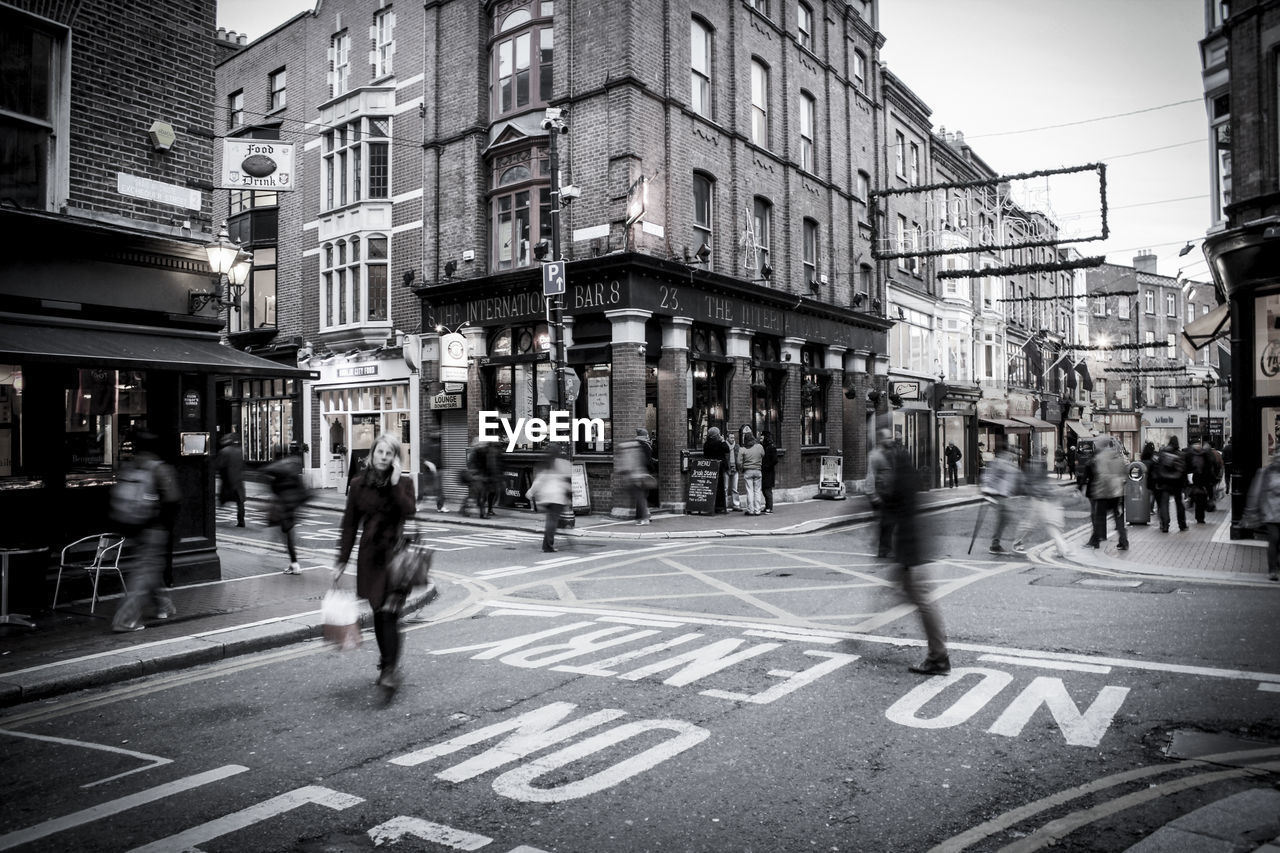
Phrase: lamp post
(1209, 382)
(555, 124)
(226, 260)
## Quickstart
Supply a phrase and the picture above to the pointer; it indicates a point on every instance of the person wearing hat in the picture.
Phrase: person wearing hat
(716, 448)
(751, 461)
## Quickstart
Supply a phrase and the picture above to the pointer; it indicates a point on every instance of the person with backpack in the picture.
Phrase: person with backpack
(1204, 471)
(1104, 483)
(1167, 480)
(289, 493)
(144, 502)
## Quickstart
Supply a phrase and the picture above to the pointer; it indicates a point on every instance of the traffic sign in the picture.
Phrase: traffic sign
(553, 278)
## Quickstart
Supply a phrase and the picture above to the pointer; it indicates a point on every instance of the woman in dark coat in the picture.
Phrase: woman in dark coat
(768, 469)
(382, 500)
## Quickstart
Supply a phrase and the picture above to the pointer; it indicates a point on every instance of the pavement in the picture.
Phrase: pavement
(255, 607)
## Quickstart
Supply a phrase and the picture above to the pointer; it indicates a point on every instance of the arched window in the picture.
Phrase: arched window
(520, 206)
(521, 57)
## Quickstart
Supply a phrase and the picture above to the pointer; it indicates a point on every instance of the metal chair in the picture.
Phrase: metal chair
(94, 555)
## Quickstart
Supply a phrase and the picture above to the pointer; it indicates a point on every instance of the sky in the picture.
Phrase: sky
(1124, 75)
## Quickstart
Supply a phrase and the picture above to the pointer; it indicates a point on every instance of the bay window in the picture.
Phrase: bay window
(521, 60)
(353, 279)
(520, 207)
(357, 161)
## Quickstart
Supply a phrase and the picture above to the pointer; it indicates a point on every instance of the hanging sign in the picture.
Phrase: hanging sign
(256, 164)
(453, 357)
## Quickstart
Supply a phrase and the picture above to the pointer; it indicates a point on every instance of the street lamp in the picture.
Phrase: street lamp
(226, 260)
(1209, 382)
(554, 122)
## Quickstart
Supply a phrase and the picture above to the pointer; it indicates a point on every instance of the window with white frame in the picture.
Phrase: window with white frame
(915, 163)
(860, 67)
(34, 111)
(384, 45)
(276, 95)
(762, 222)
(258, 305)
(900, 153)
(1149, 301)
(759, 103)
(357, 161)
(804, 25)
(1220, 138)
(521, 57)
(1148, 343)
(911, 342)
(235, 109)
(808, 110)
(1099, 306)
(353, 277)
(903, 239)
(703, 205)
(245, 200)
(520, 207)
(340, 58)
(1170, 345)
(810, 250)
(1126, 353)
(761, 6)
(1170, 306)
(1122, 308)
(700, 46)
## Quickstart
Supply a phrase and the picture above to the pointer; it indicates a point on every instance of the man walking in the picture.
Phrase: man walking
(952, 455)
(1001, 481)
(1104, 482)
(1168, 478)
(878, 485)
(1204, 470)
(143, 502)
(231, 472)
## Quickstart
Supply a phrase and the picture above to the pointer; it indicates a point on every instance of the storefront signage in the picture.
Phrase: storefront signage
(581, 489)
(256, 164)
(170, 194)
(830, 473)
(445, 401)
(1266, 343)
(363, 370)
(453, 357)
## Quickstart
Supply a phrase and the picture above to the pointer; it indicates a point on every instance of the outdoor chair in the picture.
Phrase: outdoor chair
(93, 555)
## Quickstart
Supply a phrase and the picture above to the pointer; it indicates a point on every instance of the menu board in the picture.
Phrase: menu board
(701, 494)
(581, 490)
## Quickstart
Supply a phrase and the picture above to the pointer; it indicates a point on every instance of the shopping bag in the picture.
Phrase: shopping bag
(410, 565)
(341, 619)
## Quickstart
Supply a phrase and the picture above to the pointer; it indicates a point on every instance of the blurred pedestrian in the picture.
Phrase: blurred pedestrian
(751, 461)
(1001, 482)
(1043, 512)
(635, 464)
(717, 449)
(768, 469)
(1167, 479)
(898, 484)
(288, 493)
(379, 503)
(952, 456)
(1204, 471)
(1104, 484)
(478, 478)
(144, 502)
(877, 485)
(1072, 456)
(1262, 511)
(550, 490)
(733, 501)
(231, 474)
(1059, 462)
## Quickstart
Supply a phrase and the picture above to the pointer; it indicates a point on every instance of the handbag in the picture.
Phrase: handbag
(410, 564)
(341, 617)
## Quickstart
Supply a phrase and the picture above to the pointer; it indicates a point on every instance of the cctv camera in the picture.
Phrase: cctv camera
(569, 193)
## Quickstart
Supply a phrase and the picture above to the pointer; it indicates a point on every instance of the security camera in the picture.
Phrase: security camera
(570, 193)
(640, 350)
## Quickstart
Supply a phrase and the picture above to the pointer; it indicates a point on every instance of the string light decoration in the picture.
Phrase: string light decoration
(1066, 297)
(1019, 269)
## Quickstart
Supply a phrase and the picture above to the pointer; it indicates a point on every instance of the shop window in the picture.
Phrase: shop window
(266, 418)
(708, 384)
(768, 377)
(11, 422)
(813, 397)
(34, 103)
(521, 59)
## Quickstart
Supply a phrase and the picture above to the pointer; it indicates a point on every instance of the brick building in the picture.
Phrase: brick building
(1242, 246)
(106, 183)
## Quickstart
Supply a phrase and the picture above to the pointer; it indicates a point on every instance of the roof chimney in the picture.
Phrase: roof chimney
(1145, 262)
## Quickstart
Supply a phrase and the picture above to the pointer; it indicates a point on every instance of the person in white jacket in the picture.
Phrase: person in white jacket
(551, 490)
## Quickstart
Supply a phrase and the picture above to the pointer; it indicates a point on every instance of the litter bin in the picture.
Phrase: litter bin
(1137, 497)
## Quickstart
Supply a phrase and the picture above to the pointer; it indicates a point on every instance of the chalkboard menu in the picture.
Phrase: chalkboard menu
(701, 496)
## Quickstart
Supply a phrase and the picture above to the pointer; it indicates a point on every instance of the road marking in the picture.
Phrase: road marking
(1269, 688)
(793, 636)
(61, 824)
(437, 833)
(153, 761)
(1047, 664)
(185, 842)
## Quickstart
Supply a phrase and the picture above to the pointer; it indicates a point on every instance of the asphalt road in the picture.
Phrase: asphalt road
(743, 695)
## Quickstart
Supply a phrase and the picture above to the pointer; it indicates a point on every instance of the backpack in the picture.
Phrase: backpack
(1168, 466)
(135, 497)
(1197, 468)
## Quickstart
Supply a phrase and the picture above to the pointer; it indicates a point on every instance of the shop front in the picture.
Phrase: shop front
(1160, 425)
(653, 345)
(354, 400)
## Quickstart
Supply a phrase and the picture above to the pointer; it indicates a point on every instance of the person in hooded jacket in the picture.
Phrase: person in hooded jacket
(751, 461)
(715, 447)
(1104, 483)
(768, 469)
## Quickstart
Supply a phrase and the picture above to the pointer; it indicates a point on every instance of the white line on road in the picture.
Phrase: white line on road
(153, 761)
(60, 824)
(437, 833)
(1047, 664)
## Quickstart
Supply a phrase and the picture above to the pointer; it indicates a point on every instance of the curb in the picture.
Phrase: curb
(60, 678)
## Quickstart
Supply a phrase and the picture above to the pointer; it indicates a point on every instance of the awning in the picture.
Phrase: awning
(1205, 329)
(113, 348)
(1036, 423)
(1081, 430)
(1005, 424)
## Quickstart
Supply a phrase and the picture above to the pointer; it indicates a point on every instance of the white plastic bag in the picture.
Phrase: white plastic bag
(341, 619)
